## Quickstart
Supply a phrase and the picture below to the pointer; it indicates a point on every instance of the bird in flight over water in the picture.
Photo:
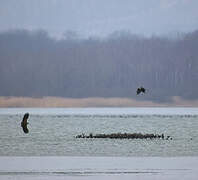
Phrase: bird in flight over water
(24, 123)
(141, 89)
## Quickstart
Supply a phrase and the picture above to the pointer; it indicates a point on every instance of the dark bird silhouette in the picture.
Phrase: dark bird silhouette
(24, 123)
(141, 89)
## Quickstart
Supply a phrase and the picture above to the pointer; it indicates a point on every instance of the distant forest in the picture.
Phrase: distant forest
(33, 64)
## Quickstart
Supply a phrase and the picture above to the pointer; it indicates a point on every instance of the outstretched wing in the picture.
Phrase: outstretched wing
(25, 117)
(138, 91)
(25, 129)
(143, 89)
(24, 123)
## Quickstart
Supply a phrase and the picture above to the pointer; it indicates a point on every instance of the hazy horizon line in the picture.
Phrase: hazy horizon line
(13, 101)
(73, 34)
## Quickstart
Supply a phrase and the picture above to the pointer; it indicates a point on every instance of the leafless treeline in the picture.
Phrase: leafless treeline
(32, 64)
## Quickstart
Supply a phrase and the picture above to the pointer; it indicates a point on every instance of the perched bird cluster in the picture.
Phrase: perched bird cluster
(125, 136)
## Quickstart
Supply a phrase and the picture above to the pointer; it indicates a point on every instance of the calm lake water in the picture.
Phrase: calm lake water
(52, 131)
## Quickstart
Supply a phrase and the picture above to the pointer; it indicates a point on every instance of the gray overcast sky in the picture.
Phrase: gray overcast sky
(100, 17)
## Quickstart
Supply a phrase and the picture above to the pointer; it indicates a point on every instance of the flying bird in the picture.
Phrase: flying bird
(141, 89)
(24, 123)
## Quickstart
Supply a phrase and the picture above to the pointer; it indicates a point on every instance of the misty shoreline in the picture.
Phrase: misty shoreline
(35, 65)
(6, 102)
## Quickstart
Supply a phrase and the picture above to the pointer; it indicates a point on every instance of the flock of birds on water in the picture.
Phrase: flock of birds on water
(24, 122)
